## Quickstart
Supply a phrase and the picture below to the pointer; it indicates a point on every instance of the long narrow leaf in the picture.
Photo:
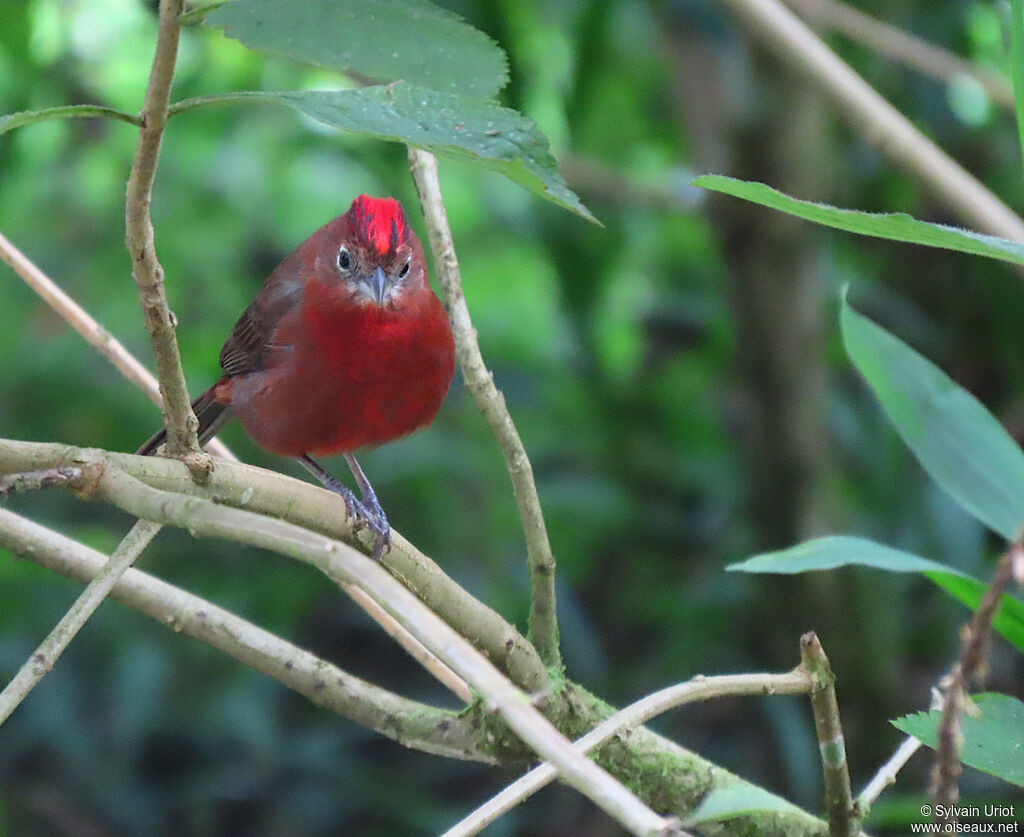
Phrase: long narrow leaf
(10, 121)
(835, 551)
(892, 226)
(957, 441)
(1017, 64)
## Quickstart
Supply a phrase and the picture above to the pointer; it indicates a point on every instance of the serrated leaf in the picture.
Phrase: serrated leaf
(957, 441)
(448, 125)
(381, 40)
(736, 801)
(993, 741)
(891, 226)
(10, 121)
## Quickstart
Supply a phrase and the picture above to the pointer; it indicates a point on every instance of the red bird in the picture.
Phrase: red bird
(345, 347)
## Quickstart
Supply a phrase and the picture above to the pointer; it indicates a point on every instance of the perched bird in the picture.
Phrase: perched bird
(345, 347)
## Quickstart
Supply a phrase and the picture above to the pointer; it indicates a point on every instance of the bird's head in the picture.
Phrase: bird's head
(377, 255)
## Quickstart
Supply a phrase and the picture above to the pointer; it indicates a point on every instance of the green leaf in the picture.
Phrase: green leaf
(381, 40)
(957, 441)
(197, 14)
(835, 551)
(481, 132)
(993, 742)
(733, 801)
(10, 121)
(1009, 619)
(1017, 64)
(892, 226)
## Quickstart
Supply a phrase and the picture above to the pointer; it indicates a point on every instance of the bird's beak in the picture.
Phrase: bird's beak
(376, 284)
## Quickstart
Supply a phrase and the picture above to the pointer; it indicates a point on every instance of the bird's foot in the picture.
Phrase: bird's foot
(365, 512)
(368, 514)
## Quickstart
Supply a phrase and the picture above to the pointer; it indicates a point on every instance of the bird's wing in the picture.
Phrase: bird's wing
(247, 348)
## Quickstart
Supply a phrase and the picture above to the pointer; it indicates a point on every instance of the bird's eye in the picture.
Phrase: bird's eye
(344, 259)
(405, 269)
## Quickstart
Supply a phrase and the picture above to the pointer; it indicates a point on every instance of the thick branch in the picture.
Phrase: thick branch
(669, 777)
(149, 275)
(490, 401)
(346, 566)
(881, 125)
(409, 722)
(700, 688)
(304, 504)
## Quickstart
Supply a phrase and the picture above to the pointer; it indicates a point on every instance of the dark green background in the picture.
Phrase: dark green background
(676, 377)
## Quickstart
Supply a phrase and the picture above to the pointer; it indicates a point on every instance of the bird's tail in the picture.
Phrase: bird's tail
(212, 417)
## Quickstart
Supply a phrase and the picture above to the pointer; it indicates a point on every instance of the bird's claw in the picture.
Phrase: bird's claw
(365, 514)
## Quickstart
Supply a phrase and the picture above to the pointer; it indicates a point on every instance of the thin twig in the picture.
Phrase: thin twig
(347, 566)
(974, 639)
(700, 688)
(886, 774)
(909, 49)
(91, 331)
(412, 723)
(842, 815)
(490, 401)
(44, 657)
(878, 122)
(149, 274)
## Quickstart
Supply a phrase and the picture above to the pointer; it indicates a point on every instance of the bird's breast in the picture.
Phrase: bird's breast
(345, 376)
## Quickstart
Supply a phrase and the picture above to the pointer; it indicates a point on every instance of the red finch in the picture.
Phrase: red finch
(345, 347)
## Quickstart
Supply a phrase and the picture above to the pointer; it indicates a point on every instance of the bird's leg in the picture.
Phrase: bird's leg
(368, 508)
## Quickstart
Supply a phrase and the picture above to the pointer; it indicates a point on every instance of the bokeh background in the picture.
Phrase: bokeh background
(676, 377)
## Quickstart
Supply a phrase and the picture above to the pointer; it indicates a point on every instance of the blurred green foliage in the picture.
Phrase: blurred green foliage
(615, 349)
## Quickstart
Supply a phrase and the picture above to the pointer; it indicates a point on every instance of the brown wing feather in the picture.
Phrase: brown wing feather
(246, 349)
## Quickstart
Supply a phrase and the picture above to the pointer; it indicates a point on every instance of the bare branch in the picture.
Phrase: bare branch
(974, 639)
(139, 238)
(878, 122)
(37, 480)
(348, 567)
(409, 722)
(490, 401)
(44, 657)
(842, 815)
(700, 688)
(905, 47)
(307, 505)
(887, 774)
(91, 331)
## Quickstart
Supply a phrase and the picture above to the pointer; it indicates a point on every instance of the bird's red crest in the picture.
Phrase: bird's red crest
(379, 221)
